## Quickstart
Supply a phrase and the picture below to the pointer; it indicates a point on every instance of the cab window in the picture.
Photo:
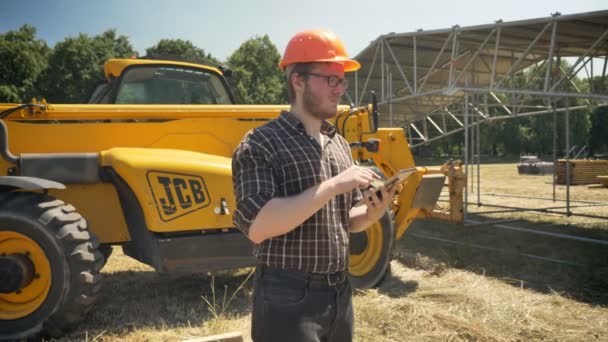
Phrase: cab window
(171, 85)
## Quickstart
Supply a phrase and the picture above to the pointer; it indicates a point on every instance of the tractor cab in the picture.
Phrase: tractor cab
(149, 81)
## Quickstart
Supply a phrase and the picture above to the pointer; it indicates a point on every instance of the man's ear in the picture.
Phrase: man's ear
(297, 81)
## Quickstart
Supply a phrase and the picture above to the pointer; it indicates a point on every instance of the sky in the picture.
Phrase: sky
(221, 26)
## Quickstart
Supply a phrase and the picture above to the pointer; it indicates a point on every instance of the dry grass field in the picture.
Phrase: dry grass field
(480, 282)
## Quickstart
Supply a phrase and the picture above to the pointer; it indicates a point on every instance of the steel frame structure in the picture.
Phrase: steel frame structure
(437, 83)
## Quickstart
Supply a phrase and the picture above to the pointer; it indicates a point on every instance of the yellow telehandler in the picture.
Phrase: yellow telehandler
(146, 165)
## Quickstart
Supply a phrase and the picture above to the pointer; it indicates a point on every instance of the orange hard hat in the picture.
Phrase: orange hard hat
(317, 46)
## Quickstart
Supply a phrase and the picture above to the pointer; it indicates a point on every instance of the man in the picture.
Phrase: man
(296, 186)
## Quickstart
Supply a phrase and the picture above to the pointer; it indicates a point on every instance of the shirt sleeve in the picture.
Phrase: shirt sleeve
(253, 181)
(356, 195)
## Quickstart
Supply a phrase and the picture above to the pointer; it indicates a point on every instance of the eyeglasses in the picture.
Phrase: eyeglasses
(332, 81)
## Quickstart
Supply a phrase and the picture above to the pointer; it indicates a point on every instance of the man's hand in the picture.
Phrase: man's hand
(351, 178)
(376, 207)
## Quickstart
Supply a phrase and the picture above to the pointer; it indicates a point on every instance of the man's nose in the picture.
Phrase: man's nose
(339, 89)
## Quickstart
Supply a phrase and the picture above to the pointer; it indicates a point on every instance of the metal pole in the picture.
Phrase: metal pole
(390, 99)
(472, 59)
(553, 104)
(472, 147)
(432, 68)
(600, 40)
(567, 132)
(398, 65)
(512, 77)
(369, 73)
(590, 77)
(478, 135)
(496, 118)
(604, 73)
(356, 88)
(466, 152)
(550, 58)
(551, 94)
(453, 60)
(382, 71)
(415, 67)
(409, 134)
(595, 203)
(513, 69)
(485, 104)
(494, 60)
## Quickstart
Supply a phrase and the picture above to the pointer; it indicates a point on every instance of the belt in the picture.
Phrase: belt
(331, 279)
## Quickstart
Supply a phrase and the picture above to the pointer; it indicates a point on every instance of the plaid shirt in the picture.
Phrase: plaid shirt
(280, 160)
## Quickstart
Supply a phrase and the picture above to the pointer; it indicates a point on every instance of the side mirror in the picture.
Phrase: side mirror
(227, 72)
(372, 145)
(374, 117)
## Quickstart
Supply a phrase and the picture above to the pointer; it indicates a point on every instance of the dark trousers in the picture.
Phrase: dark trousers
(297, 306)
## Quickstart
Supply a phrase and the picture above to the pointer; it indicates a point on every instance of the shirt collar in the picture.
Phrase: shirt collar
(292, 120)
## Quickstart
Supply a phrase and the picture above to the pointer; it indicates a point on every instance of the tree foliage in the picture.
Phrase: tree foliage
(76, 65)
(598, 134)
(598, 137)
(22, 58)
(257, 77)
(181, 48)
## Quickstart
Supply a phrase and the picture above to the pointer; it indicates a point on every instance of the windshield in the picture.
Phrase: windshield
(171, 85)
(101, 94)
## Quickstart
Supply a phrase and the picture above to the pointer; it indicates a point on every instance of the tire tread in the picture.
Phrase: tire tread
(79, 245)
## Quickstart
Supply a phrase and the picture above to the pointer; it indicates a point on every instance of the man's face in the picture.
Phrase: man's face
(319, 97)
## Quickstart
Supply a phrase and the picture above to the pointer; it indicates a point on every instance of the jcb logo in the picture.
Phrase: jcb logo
(177, 194)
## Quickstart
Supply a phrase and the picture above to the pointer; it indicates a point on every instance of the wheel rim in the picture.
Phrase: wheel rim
(364, 262)
(19, 304)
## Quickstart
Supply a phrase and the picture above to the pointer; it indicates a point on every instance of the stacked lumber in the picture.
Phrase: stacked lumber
(603, 180)
(581, 171)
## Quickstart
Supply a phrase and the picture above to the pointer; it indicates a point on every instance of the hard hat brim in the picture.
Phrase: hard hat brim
(349, 64)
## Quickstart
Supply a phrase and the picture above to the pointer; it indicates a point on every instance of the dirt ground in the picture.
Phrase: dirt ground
(507, 277)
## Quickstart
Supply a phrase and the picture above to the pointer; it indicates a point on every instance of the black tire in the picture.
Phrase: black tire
(370, 266)
(72, 253)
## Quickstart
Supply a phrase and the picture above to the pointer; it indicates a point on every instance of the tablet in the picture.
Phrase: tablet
(397, 178)
(388, 184)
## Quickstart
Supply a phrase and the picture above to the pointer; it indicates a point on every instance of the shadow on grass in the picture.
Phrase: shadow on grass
(547, 264)
(397, 288)
(130, 301)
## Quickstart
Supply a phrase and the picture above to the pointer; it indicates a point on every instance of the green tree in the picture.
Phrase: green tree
(10, 93)
(76, 65)
(598, 134)
(258, 79)
(22, 58)
(110, 45)
(181, 48)
(598, 137)
(542, 125)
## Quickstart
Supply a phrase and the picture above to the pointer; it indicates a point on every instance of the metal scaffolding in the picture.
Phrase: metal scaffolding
(437, 83)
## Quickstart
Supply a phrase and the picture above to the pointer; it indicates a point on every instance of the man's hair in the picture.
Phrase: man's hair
(297, 68)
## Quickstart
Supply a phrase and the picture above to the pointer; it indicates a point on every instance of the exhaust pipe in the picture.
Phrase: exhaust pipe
(4, 152)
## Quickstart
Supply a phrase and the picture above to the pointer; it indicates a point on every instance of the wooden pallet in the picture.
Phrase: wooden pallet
(581, 171)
